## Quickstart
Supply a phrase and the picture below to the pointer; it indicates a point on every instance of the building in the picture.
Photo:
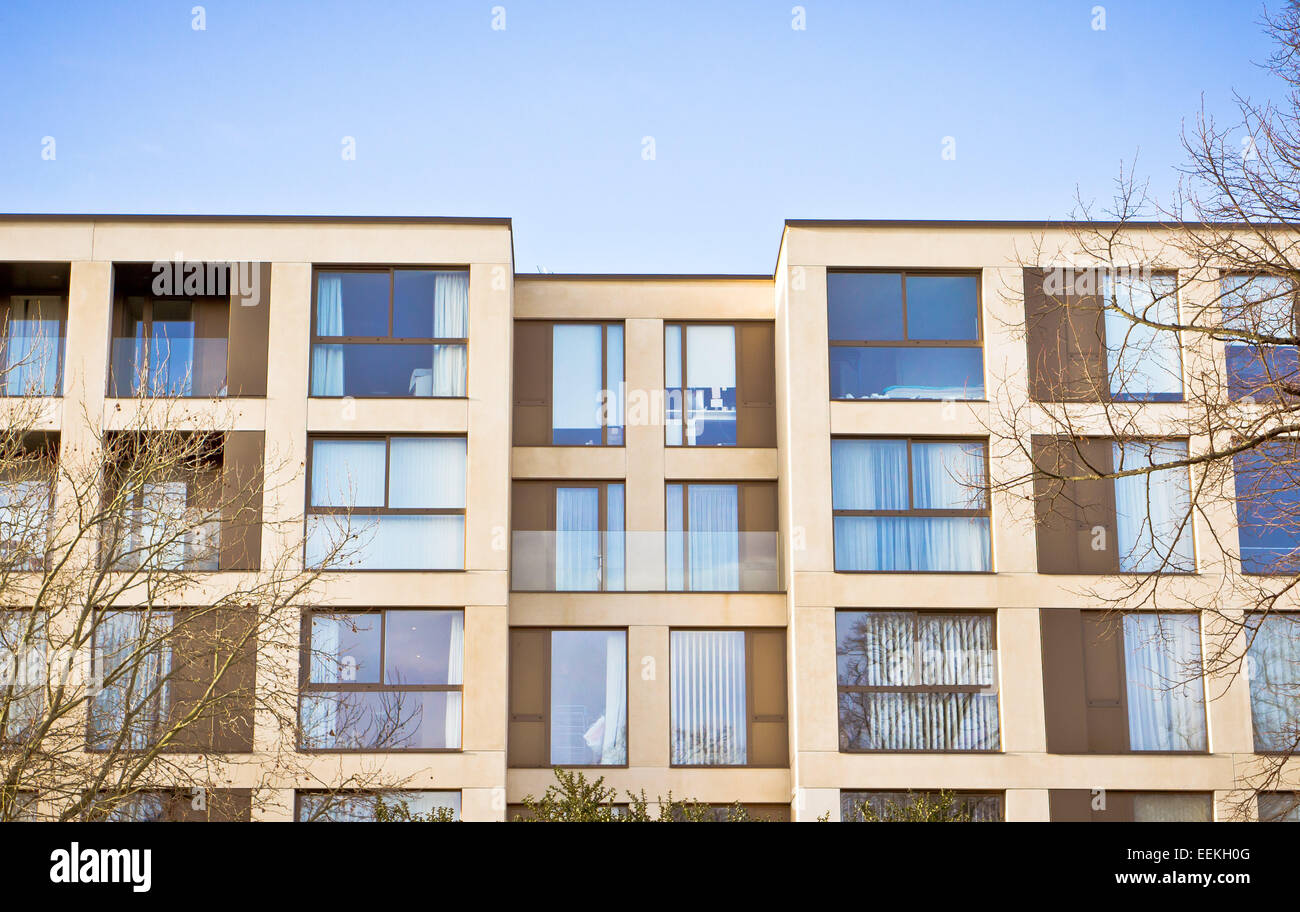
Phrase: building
(615, 587)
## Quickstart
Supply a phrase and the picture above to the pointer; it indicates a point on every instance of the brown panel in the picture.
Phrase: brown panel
(1063, 690)
(1075, 520)
(207, 685)
(769, 731)
(532, 384)
(1043, 318)
(241, 522)
(532, 518)
(756, 385)
(1055, 510)
(193, 665)
(250, 326)
(211, 324)
(1116, 807)
(1065, 335)
(1096, 530)
(1103, 675)
(216, 805)
(758, 527)
(526, 741)
(236, 658)
(1069, 805)
(1086, 378)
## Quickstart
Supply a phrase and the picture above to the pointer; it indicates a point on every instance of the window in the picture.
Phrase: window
(1254, 308)
(1140, 523)
(399, 333)
(174, 806)
(363, 807)
(916, 681)
(27, 504)
(728, 698)
(722, 537)
(1279, 807)
(32, 346)
(568, 384)
(723, 377)
(1107, 806)
(859, 807)
(896, 335)
(1267, 478)
(132, 665)
(907, 505)
(1122, 684)
(22, 673)
(568, 536)
(1089, 340)
(568, 698)
(383, 680)
(1273, 668)
(386, 503)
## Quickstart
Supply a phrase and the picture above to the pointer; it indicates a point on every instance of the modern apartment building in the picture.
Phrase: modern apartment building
(697, 534)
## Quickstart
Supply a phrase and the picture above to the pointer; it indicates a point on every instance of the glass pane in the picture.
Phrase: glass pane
(875, 721)
(899, 543)
(711, 385)
(869, 474)
(864, 306)
(876, 648)
(352, 304)
(576, 385)
(588, 697)
(1171, 807)
(709, 715)
(615, 559)
(948, 476)
(348, 473)
(358, 808)
(1144, 363)
(856, 807)
(1277, 807)
(1268, 508)
(1153, 510)
(424, 647)
(1166, 698)
(430, 304)
(712, 538)
(676, 538)
(345, 648)
(1264, 373)
(672, 385)
(1273, 667)
(387, 370)
(614, 377)
(427, 472)
(381, 720)
(942, 307)
(577, 539)
(911, 372)
(390, 542)
(32, 349)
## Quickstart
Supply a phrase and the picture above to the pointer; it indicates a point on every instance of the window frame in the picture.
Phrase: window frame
(741, 531)
(315, 339)
(986, 512)
(299, 794)
(385, 510)
(306, 687)
(604, 377)
(682, 326)
(953, 689)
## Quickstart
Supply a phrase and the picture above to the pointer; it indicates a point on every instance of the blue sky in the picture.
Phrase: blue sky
(753, 121)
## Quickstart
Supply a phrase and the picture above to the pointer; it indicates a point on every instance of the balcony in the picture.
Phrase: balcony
(645, 562)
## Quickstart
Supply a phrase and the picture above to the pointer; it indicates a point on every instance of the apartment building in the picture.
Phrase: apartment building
(695, 534)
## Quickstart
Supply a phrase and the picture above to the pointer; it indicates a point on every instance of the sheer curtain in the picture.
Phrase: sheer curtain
(450, 321)
(1166, 700)
(132, 662)
(1273, 666)
(870, 475)
(577, 539)
(320, 711)
(709, 720)
(713, 537)
(615, 547)
(675, 546)
(1153, 510)
(31, 351)
(455, 675)
(1144, 363)
(613, 748)
(327, 360)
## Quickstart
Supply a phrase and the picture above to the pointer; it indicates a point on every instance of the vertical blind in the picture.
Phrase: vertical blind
(709, 715)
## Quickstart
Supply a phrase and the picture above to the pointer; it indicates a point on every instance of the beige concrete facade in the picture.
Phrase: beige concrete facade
(795, 299)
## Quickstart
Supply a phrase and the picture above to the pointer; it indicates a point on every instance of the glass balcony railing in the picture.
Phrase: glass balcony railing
(645, 562)
(168, 367)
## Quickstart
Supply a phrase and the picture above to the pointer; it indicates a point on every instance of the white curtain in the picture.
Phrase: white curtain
(869, 475)
(1166, 699)
(348, 473)
(136, 655)
(327, 360)
(577, 539)
(450, 321)
(713, 538)
(709, 717)
(1153, 510)
(615, 547)
(31, 351)
(455, 675)
(23, 670)
(25, 515)
(676, 535)
(948, 476)
(1273, 666)
(1144, 363)
(427, 472)
(613, 748)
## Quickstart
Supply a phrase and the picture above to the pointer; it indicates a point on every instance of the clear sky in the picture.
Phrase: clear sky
(544, 121)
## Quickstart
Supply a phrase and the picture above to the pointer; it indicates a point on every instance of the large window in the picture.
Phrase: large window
(568, 384)
(866, 807)
(1259, 316)
(383, 680)
(568, 536)
(27, 504)
(1273, 666)
(916, 681)
(728, 698)
(722, 537)
(1102, 335)
(22, 672)
(896, 335)
(32, 346)
(720, 384)
(568, 697)
(390, 333)
(1279, 807)
(1267, 481)
(364, 807)
(132, 668)
(1119, 684)
(386, 503)
(1133, 523)
(904, 505)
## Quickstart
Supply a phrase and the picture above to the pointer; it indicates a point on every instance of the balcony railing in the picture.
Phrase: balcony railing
(645, 562)
(168, 367)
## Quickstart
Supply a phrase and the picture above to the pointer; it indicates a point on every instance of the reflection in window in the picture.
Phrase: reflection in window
(132, 666)
(1162, 668)
(1273, 666)
(1268, 507)
(1144, 363)
(398, 333)
(388, 680)
(904, 336)
(587, 384)
(1254, 307)
(709, 714)
(362, 807)
(1153, 509)
(700, 382)
(1172, 807)
(916, 681)
(588, 697)
(859, 807)
(22, 673)
(905, 505)
(1279, 807)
